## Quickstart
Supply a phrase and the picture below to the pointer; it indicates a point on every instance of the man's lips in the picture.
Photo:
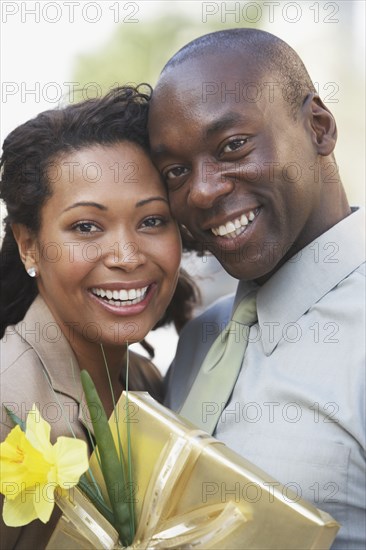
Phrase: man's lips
(236, 225)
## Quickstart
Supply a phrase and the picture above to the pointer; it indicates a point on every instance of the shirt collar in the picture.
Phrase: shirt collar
(307, 277)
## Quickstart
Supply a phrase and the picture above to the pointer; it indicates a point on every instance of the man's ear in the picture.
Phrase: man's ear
(27, 245)
(322, 124)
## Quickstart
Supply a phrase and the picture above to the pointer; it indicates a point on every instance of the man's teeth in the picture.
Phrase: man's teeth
(233, 227)
(121, 297)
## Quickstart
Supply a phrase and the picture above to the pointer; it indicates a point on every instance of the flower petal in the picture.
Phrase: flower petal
(10, 448)
(71, 456)
(21, 465)
(11, 462)
(19, 511)
(45, 504)
(38, 433)
(32, 468)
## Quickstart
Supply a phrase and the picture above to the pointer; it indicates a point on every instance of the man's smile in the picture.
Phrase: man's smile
(235, 226)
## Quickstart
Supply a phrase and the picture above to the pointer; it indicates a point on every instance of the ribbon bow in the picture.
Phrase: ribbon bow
(202, 527)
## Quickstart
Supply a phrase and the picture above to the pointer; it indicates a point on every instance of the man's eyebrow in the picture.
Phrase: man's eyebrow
(224, 123)
(151, 199)
(159, 150)
(86, 203)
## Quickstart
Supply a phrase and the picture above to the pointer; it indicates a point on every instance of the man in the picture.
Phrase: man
(245, 146)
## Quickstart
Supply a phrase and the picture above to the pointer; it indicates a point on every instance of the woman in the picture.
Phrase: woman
(89, 261)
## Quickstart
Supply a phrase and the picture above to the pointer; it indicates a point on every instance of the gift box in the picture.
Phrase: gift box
(191, 491)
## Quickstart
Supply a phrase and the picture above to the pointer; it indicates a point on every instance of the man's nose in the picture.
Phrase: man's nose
(208, 185)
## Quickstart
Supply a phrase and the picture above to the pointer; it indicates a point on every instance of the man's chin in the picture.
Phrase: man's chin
(258, 270)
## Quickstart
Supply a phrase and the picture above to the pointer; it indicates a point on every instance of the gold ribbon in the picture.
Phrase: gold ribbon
(158, 527)
(206, 525)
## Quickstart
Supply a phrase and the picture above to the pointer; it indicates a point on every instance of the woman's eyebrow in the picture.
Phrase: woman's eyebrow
(150, 199)
(86, 203)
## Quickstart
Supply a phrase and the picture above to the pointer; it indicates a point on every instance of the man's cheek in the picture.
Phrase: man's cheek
(178, 209)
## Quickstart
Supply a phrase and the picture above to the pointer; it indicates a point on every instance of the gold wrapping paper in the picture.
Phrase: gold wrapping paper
(226, 501)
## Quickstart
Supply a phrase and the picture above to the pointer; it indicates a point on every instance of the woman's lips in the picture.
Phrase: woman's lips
(115, 302)
(124, 296)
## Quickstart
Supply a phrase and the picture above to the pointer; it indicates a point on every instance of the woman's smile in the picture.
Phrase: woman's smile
(118, 248)
(124, 301)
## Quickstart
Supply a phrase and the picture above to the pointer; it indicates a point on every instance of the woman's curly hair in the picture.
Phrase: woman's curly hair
(28, 153)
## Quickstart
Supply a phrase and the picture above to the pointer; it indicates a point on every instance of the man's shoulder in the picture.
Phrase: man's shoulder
(195, 340)
(218, 312)
(361, 270)
(201, 331)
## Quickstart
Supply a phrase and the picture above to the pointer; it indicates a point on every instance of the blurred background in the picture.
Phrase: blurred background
(63, 51)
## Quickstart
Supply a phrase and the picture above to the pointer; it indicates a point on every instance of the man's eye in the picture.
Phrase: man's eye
(175, 172)
(234, 145)
(85, 227)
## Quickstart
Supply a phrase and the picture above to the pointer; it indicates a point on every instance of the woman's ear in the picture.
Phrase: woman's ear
(27, 245)
(322, 124)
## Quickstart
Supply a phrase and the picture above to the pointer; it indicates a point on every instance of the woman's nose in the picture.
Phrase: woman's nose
(125, 255)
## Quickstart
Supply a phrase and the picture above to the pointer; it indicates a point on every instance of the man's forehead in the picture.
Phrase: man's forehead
(205, 76)
(192, 88)
(228, 63)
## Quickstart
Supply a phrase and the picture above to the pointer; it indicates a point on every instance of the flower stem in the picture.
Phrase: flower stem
(111, 469)
(129, 459)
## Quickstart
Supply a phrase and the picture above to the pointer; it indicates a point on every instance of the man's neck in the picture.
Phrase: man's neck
(330, 213)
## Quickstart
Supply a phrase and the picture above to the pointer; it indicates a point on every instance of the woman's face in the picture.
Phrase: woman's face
(108, 251)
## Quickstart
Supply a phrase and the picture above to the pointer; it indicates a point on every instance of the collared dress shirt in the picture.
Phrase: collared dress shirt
(298, 407)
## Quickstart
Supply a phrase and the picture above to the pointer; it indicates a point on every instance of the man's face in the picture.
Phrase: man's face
(241, 172)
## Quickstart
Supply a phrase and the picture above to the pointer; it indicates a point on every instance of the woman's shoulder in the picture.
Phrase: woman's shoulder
(30, 375)
(23, 337)
(14, 349)
(20, 375)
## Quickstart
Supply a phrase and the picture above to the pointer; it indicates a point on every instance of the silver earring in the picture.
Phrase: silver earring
(32, 272)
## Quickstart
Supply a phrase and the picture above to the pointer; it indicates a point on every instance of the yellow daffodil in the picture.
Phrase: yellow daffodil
(31, 468)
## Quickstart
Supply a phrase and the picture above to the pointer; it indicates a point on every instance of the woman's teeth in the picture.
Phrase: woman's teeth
(121, 297)
(233, 227)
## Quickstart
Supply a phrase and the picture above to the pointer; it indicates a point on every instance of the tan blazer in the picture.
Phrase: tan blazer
(39, 366)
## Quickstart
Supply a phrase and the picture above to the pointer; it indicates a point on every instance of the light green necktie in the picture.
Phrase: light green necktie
(220, 369)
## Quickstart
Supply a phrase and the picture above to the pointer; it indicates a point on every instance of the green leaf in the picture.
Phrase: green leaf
(93, 493)
(110, 464)
(16, 420)
(115, 415)
(129, 458)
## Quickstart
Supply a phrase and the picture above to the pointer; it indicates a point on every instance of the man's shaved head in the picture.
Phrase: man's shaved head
(236, 130)
(271, 54)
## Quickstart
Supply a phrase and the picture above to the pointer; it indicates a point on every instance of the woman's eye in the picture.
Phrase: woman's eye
(175, 172)
(86, 227)
(153, 221)
(234, 145)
